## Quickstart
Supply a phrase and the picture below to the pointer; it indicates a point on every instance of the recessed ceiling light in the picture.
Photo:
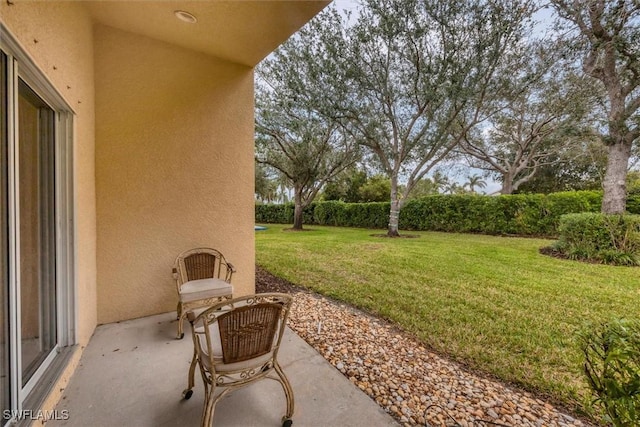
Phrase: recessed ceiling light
(185, 16)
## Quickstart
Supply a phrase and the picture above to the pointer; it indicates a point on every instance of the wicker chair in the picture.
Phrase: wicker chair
(236, 342)
(203, 278)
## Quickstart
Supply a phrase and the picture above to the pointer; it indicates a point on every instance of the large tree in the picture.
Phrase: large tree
(304, 146)
(408, 71)
(345, 186)
(581, 167)
(607, 35)
(541, 118)
(307, 147)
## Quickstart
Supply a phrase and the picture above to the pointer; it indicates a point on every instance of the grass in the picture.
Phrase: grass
(492, 303)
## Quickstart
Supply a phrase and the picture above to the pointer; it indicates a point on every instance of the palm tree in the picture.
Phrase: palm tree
(474, 181)
(453, 188)
(440, 181)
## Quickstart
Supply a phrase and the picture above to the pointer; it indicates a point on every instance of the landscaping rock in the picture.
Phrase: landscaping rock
(414, 385)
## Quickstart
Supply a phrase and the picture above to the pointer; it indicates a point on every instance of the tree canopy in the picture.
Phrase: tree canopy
(309, 149)
(408, 79)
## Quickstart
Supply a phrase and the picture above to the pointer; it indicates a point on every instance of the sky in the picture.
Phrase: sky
(351, 5)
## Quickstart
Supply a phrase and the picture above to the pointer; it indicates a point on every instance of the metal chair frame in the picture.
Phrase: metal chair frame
(250, 332)
(195, 264)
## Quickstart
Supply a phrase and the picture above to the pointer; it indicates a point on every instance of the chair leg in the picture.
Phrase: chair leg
(181, 315)
(192, 370)
(181, 326)
(209, 409)
(210, 403)
(188, 392)
(180, 331)
(288, 391)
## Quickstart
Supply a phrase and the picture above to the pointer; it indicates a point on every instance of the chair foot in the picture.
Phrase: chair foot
(180, 336)
(187, 393)
(287, 422)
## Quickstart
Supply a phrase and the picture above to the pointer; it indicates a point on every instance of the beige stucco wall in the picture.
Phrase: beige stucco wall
(59, 38)
(174, 168)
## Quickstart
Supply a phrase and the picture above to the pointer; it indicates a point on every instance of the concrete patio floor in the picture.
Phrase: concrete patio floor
(132, 373)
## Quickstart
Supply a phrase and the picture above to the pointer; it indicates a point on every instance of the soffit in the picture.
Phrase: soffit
(241, 31)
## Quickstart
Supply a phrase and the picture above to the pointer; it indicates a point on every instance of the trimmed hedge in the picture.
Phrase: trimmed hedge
(610, 239)
(519, 214)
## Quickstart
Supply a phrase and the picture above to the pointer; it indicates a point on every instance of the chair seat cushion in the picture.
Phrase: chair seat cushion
(194, 290)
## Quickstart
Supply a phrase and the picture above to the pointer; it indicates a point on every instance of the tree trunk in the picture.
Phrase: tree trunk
(394, 213)
(507, 184)
(615, 179)
(297, 212)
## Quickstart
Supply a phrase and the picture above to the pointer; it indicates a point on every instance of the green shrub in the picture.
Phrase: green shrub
(633, 204)
(368, 215)
(329, 212)
(558, 204)
(612, 367)
(612, 239)
(275, 214)
(282, 214)
(308, 213)
(518, 214)
(364, 215)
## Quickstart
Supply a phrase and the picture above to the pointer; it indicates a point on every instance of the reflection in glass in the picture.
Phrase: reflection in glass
(37, 229)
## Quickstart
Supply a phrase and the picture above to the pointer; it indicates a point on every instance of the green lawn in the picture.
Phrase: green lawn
(493, 303)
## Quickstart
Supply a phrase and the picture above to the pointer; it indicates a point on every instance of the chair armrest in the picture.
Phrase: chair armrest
(230, 270)
(176, 277)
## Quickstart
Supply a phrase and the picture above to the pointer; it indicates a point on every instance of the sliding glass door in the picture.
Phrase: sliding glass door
(37, 314)
(5, 380)
(36, 152)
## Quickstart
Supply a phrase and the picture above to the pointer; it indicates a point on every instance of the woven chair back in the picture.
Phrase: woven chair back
(202, 266)
(248, 332)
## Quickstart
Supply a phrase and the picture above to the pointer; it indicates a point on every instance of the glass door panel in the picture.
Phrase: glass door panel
(5, 383)
(36, 142)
